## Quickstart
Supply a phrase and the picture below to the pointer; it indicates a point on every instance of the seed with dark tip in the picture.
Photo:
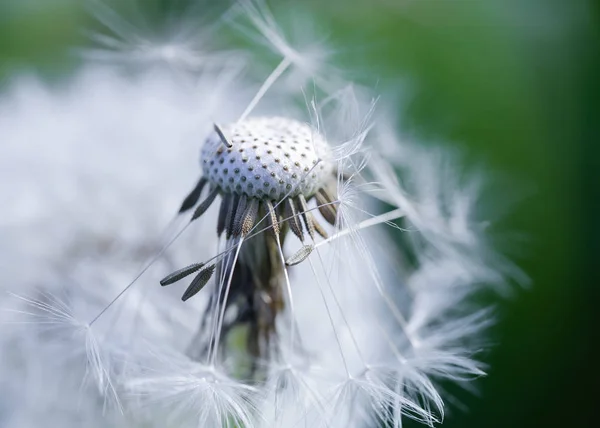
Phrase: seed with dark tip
(205, 204)
(181, 273)
(272, 218)
(300, 255)
(198, 282)
(293, 219)
(193, 197)
(248, 218)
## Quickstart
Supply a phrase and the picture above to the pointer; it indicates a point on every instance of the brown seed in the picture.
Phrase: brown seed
(326, 208)
(301, 255)
(311, 223)
(249, 217)
(272, 217)
(293, 219)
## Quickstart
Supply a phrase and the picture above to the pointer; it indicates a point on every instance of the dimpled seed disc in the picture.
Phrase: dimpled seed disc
(270, 157)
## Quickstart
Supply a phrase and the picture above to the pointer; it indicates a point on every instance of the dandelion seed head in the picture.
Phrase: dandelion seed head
(272, 157)
(304, 311)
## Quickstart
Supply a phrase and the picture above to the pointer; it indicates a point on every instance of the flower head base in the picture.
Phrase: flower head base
(263, 169)
(271, 158)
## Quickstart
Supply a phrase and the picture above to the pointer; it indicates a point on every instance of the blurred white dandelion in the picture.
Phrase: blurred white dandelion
(301, 310)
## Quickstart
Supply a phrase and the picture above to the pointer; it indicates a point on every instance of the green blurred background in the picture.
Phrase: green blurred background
(515, 84)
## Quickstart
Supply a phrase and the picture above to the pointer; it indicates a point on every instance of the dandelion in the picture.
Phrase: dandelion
(272, 293)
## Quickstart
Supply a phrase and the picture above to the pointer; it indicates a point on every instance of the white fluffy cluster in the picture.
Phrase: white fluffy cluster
(92, 177)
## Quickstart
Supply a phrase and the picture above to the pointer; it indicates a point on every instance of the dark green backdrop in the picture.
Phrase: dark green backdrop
(515, 85)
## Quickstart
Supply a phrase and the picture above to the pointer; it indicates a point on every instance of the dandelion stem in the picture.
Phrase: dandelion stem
(335, 333)
(139, 275)
(290, 297)
(344, 318)
(275, 74)
(215, 348)
(389, 216)
(400, 318)
(215, 306)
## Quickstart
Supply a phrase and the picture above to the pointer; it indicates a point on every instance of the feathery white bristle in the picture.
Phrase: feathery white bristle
(184, 43)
